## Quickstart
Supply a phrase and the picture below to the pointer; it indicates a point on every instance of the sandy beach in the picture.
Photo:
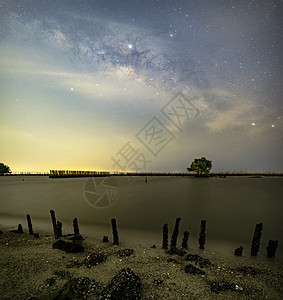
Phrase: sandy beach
(32, 269)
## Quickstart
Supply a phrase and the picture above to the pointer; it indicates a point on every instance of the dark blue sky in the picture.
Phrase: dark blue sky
(87, 76)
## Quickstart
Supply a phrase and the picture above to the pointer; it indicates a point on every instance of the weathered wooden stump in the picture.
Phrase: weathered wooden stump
(115, 232)
(29, 225)
(76, 226)
(174, 236)
(165, 237)
(53, 219)
(20, 228)
(185, 240)
(201, 239)
(256, 239)
(58, 230)
(271, 248)
(238, 251)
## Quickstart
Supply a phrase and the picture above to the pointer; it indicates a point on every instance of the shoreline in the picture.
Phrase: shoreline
(31, 268)
(148, 237)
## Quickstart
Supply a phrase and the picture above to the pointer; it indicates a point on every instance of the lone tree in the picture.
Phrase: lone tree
(201, 166)
(4, 169)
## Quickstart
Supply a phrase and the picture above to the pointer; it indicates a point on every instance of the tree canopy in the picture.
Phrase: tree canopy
(201, 166)
(4, 169)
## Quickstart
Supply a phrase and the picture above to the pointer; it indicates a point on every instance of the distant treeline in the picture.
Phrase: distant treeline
(68, 173)
(26, 174)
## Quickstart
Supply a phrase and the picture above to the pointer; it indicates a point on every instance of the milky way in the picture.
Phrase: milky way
(95, 72)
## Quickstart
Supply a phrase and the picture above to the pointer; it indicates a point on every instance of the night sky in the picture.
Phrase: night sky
(141, 85)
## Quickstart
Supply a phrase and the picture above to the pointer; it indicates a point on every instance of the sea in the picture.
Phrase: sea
(231, 206)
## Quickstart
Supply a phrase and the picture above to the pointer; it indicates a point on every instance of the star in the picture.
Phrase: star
(253, 124)
(130, 46)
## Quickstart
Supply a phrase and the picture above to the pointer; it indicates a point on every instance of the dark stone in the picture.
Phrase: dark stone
(165, 237)
(174, 236)
(29, 225)
(94, 259)
(271, 248)
(125, 252)
(105, 239)
(201, 239)
(193, 270)
(68, 247)
(175, 251)
(256, 239)
(217, 287)
(202, 262)
(115, 232)
(20, 228)
(185, 240)
(76, 226)
(124, 286)
(79, 288)
(36, 235)
(238, 251)
(153, 246)
(50, 281)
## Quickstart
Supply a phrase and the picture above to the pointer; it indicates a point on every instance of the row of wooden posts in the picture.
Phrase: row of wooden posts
(57, 229)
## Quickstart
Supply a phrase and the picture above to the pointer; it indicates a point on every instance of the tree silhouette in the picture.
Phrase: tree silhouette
(201, 166)
(4, 169)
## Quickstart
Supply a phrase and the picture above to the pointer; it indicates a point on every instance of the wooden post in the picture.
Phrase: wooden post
(20, 228)
(76, 226)
(271, 248)
(53, 218)
(58, 230)
(115, 232)
(201, 239)
(256, 239)
(165, 237)
(239, 251)
(185, 240)
(174, 236)
(29, 225)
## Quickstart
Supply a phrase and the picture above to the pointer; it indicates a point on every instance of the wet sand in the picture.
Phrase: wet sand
(29, 267)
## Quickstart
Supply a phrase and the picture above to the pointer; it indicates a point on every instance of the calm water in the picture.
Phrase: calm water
(231, 206)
